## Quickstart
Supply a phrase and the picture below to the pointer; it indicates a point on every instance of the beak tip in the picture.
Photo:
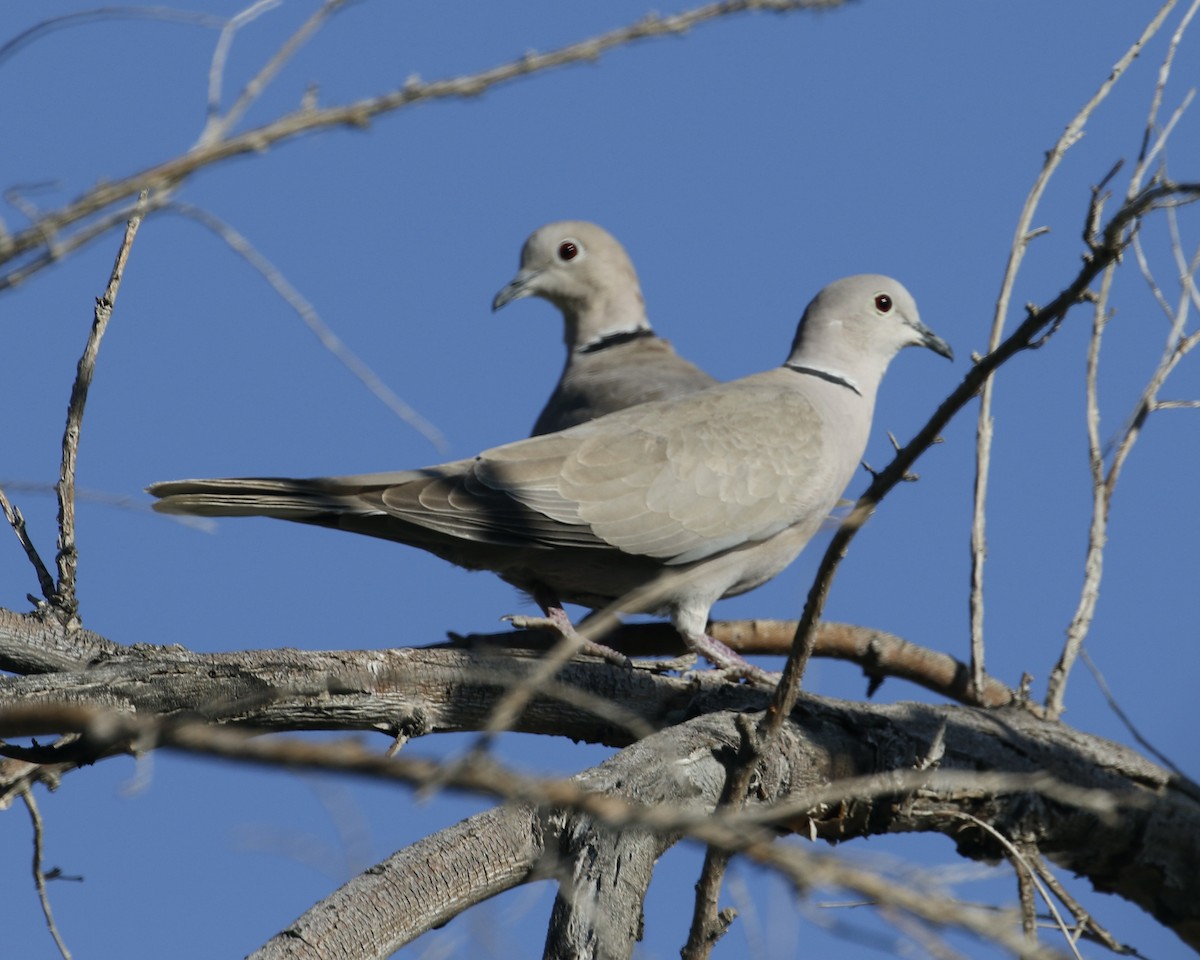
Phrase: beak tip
(938, 345)
(515, 289)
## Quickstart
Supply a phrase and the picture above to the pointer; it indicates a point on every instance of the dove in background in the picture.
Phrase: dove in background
(614, 358)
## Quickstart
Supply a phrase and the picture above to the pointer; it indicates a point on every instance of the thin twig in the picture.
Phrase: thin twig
(1071, 135)
(17, 522)
(1027, 895)
(1084, 921)
(216, 69)
(1177, 347)
(1115, 706)
(508, 708)
(1093, 564)
(58, 249)
(308, 313)
(1106, 805)
(1187, 271)
(217, 128)
(359, 114)
(1019, 861)
(67, 560)
(1148, 275)
(1164, 135)
(97, 731)
(709, 924)
(934, 946)
(1147, 153)
(809, 871)
(38, 30)
(39, 878)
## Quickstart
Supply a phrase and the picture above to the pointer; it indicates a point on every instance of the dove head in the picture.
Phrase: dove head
(585, 272)
(854, 327)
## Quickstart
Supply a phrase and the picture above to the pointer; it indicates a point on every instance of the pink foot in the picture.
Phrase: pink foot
(729, 663)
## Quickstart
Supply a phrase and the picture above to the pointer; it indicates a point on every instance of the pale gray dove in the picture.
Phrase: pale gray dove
(682, 501)
(614, 359)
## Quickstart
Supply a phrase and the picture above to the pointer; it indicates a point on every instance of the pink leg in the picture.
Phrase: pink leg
(731, 664)
(556, 619)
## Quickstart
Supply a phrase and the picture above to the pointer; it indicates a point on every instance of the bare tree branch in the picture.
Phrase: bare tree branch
(1070, 136)
(880, 654)
(1104, 484)
(421, 887)
(23, 39)
(17, 522)
(312, 319)
(830, 735)
(840, 737)
(39, 875)
(1025, 870)
(167, 176)
(1093, 566)
(64, 601)
(217, 128)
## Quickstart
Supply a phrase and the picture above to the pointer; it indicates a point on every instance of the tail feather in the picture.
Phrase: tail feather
(253, 497)
(443, 509)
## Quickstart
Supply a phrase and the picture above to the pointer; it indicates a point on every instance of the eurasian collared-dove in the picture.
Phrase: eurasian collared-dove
(614, 360)
(684, 501)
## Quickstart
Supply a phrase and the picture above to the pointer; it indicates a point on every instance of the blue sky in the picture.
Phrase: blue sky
(744, 166)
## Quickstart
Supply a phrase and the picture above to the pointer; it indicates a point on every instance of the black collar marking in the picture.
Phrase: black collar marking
(614, 339)
(824, 375)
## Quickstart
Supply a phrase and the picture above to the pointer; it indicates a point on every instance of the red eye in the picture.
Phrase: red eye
(567, 250)
(883, 303)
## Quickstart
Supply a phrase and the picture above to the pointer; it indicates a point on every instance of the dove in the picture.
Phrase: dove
(664, 507)
(614, 359)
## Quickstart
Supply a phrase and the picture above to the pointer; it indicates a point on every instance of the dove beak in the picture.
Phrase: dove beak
(927, 338)
(520, 286)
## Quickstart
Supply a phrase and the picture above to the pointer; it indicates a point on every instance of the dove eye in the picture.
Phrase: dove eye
(568, 250)
(883, 303)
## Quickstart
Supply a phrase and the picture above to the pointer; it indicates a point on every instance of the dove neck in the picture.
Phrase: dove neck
(605, 314)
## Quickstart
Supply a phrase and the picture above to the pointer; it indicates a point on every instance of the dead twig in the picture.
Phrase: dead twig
(39, 877)
(64, 600)
(1021, 238)
(312, 319)
(17, 522)
(307, 119)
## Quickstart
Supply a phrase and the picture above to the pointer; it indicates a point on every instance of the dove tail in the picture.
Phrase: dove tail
(249, 497)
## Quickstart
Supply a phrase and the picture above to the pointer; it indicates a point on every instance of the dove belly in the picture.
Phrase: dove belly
(598, 578)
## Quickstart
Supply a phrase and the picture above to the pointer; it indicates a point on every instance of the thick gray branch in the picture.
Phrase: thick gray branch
(1146, 853)
(418, 888)
(1147, 856)
(403, 692)
(31, 644)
